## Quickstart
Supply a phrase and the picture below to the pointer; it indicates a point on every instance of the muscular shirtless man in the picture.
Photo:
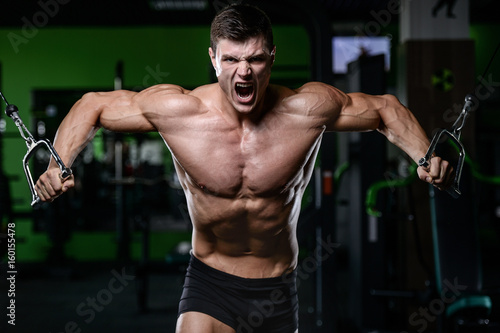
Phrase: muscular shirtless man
(244, 151)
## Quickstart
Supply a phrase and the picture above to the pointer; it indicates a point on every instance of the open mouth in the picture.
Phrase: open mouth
(244, 91)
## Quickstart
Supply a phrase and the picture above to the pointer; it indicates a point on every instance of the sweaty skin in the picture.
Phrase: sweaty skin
(244, 150)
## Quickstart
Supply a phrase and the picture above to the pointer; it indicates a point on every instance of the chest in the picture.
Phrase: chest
(236, 161)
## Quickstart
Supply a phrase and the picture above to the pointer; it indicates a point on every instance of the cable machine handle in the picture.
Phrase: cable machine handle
(33, 145)
(65, 171)
(454, 190)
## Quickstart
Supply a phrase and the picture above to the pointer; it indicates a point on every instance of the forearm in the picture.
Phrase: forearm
(401, 128)
(391, 118)
(77, 129)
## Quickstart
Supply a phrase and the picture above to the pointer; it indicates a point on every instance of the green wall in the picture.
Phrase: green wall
(65, 58)
(486, 39)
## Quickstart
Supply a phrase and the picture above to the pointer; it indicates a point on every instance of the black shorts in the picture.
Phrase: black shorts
(247, 305)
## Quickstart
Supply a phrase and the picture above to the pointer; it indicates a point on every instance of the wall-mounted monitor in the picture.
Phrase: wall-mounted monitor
(346, 49)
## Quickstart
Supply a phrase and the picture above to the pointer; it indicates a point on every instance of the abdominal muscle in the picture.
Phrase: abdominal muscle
(246, 237)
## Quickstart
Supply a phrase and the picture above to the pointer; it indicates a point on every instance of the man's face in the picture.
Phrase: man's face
(243, 70)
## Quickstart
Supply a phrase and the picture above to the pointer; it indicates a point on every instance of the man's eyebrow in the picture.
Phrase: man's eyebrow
(253, 55)
(259, 54)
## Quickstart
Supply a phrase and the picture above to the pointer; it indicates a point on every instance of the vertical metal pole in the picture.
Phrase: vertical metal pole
(2, 127)
(121, 224)
(318, 253)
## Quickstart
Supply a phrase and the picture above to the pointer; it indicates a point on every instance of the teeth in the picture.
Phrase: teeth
(244, 97)
(244, 85)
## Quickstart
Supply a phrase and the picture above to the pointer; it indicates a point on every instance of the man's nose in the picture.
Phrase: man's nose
(244, 68)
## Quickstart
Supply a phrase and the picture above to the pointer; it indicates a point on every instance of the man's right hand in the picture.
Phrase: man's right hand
(50, 185)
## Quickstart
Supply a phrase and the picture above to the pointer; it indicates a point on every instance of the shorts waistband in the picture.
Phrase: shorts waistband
(287, 278)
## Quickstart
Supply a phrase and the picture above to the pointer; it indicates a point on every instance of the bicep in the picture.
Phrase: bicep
(122, 111)
(145, 111)
(356, 112)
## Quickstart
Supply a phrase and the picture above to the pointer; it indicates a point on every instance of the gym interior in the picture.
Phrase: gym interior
(380, 250)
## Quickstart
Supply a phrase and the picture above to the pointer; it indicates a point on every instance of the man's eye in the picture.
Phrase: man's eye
(256, 59)
(229, 60)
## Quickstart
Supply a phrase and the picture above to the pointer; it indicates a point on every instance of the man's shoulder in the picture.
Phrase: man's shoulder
(204, 91)
(319, 92)
(311, 99)
(307, 88)
(171, 100)
(296, 95)
(314, 87)
(167, 90)
(161, 90)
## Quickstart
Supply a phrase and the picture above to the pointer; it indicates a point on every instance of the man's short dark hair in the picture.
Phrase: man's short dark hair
(239, 22)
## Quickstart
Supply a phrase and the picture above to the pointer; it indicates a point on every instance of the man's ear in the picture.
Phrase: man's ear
(211, 53)
(273, 55)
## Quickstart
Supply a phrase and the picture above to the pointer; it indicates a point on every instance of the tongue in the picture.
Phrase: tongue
(245, 91)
